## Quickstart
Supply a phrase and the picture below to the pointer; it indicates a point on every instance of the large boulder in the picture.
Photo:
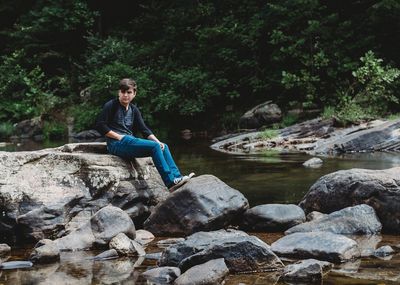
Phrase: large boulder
(213, 205)
(360, 219)
(263, 114)
(272, 217)
(319, 245)
(47, 193)
(29, 128)
(45, 251)
(242, 253)
(379, 189)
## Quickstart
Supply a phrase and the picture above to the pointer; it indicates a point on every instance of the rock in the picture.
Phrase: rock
(320, 245)
(241, 251)
(360, 219)
(169, 241)
(378, 136)
(43, 192)
(5, 249)
(29, 128)
(272, 217)
(163, 275)
(314, 215)
(125, 246)
(88, 134)
(110, 221)
(367, 243)
(263, 114)
(194, 243)
(211, 272)
(309, 270)
(384, 251)
(106, 255)
(15, 264)
(241, 254)
(45, 251)
(314, 162)
(99, 230)
(213, 205)
(378, 188)
(153, 255)
(144, 237)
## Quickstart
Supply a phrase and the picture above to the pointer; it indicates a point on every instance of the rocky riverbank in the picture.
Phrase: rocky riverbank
(318, 137)
(69, 199)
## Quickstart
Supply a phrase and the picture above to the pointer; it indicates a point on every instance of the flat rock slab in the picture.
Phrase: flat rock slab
(378, 188)
(360, 219)
(319, 245)
(213, 205)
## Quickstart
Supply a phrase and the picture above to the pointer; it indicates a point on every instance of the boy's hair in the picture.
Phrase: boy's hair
(127, 83)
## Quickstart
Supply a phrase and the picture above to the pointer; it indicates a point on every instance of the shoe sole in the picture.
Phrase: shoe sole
(182, 182)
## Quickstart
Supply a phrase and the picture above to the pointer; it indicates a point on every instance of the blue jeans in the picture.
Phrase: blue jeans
(130, 147)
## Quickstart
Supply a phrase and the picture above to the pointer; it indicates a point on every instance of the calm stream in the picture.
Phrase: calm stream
(263, 178)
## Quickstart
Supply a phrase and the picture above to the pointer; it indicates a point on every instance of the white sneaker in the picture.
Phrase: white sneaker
(178, 182)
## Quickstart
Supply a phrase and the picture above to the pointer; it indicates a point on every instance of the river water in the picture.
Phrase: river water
(267, 177)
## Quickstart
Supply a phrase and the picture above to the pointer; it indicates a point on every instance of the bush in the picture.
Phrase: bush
(54, 130)
(84, 116)
(269, 134)
(6, 129)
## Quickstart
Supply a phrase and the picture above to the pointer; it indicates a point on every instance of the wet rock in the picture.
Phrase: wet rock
(320, 245)
(314, 215)
(241, 254)
(5, 249)
(378, 188)
(367, 243)
(194, 243)
(213, 205)
(383, 251)
(79, 239)
(163, 275)
(154, 255)
(144, 237)
(263, 114)
(309, 270)
(105, 255)
(45, 251)
(314, 162)
(272, 217)
(110, 221)
(211, 272)
(42, 193)
(169, 241)
(125, 246)
(15, 264)
(360, 219)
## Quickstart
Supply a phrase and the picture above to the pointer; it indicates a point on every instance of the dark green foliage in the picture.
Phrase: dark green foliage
(192, 59)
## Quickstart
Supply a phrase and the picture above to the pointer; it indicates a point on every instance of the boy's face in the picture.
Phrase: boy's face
(125, 97)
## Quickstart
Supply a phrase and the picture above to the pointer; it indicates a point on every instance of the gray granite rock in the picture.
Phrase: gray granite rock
(213, 205)
(5, 249)
(319, 245)
(106, 255)
(125, 246)
(162, 275)
(272, 217)
(378, 188)
(360, 219)
(309, 270)
(314, 162)
(45, 251)
(210, 272)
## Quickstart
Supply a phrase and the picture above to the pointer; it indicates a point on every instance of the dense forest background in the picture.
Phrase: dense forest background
(198, 64)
